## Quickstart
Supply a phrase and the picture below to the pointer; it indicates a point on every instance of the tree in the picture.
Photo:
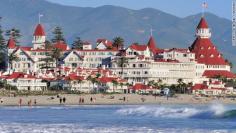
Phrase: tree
(118, 42)
(77, 44)
(80, 82)
(14, 33)
(56, 55)
(2, 40)
(48, 44)
(3, 48)
(115, 83)
(12, 57)
(151, 83)
(58, 35)
(121, 62)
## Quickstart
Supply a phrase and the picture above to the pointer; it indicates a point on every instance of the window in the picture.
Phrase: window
(212, 56)
(134, 65)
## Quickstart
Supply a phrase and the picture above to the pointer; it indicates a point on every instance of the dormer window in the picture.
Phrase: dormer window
(201, 56)
(212, 56)
(209, 47)
(202, 47)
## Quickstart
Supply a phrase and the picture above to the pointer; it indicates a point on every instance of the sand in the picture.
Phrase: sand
(115, 99)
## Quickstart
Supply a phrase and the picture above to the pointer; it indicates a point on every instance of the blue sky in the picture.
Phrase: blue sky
(179, 8)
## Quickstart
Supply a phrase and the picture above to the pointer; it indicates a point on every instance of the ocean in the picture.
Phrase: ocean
(214, 118)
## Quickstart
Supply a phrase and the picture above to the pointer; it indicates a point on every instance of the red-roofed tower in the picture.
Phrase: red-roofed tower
(39, 37)
(11, 44)
(205, 51)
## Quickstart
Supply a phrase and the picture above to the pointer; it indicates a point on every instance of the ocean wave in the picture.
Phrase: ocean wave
(76, 128)
(213, 111)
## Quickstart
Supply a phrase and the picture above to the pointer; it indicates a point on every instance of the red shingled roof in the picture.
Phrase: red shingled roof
(106, 79)
(206, 52)
(39, 30)
(61, 45)
(202, 23)
(74, 76)
(11, 43)
(199, 87)
(106, 42)
(214, 73)
(16, 75)
(152, 45)
(25, 48)
(139, 86)
(138, 47)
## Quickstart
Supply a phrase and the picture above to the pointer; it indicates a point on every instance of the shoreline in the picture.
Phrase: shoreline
(109, 99)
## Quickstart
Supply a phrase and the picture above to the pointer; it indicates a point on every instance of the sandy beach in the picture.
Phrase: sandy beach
(101, 99)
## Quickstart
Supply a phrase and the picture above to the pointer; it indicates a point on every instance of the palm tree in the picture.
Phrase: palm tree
(12, 57)
(56, 55)
(118, 42)
(151, 83)
(80, 82)
(115, 83)
(89, 78)
(180, 84)
(121, 62)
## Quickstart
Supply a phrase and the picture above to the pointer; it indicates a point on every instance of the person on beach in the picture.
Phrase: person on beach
(1, 100)
(91, 99)
(35, 101)
(30, 103)
(20, 102)
(64, 100)
(124, 99)
(82, 100)
(60, 100)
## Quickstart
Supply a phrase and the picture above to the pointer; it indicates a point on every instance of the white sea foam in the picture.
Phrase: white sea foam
(170, 112)
(76, 128)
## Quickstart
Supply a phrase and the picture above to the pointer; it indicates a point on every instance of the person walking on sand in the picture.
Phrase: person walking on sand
(20, 102)
(60, 100)
(82, 100)
(30, 103)
(64, 100)
(124, 99)
(91, 99)
(35, 101)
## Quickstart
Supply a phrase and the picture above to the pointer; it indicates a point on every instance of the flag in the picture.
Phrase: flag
(40, 15)
(204, 5)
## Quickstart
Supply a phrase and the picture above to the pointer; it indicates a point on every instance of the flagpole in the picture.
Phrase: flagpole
(39, 18)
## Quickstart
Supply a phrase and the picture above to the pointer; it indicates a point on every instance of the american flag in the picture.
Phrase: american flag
(204, 5)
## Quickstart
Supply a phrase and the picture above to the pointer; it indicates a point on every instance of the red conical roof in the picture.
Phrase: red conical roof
(206, 52)
(152, 45)
(202, 23)
(11, 43)
(39, 30)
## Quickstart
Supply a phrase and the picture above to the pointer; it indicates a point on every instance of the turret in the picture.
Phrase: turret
(202, 29)
(39, 37)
